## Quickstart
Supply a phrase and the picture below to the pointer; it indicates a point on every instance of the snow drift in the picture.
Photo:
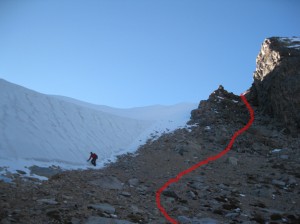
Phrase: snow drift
(37, 128)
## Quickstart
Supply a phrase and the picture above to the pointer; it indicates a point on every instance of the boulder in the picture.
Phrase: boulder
(186, 220)
(125, 194)
(49, 201)
(102, 220)
(108, 182)
(133, 182)
(170, 194)
(278, 183)
(103, 207)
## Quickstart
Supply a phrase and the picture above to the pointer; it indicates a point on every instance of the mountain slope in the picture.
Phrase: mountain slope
(40, 127)
(44, 128)
(257, 181)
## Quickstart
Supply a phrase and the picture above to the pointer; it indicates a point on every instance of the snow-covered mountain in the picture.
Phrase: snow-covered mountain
(40, 129)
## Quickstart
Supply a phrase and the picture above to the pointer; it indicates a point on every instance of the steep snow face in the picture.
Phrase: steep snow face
(163, 118)
(40, 127)
(37, 128)
(153, 112)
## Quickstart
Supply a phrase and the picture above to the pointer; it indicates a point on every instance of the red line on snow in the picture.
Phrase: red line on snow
(203, 162)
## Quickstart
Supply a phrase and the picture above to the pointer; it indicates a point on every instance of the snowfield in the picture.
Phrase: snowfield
(45, 130)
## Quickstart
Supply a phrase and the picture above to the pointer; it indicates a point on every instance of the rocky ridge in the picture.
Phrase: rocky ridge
(276, 81)
(257, 181)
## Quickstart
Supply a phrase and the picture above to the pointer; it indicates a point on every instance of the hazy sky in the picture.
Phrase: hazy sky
(128, 53)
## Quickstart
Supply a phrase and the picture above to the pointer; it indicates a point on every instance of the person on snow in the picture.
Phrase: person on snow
(94, 157)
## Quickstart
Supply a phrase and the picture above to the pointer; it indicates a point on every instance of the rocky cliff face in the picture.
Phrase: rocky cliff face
(276, 87)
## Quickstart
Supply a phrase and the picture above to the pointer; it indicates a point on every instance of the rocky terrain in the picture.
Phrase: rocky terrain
(257, 181)
(276, 81)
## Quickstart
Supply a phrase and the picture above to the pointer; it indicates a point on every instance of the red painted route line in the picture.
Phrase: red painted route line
(209, 159)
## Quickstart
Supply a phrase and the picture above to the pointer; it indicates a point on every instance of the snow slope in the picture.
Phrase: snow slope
(39, 129)
(153, 112)
(164, 118)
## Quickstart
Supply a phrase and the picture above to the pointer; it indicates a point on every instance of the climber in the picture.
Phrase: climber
(94, 157)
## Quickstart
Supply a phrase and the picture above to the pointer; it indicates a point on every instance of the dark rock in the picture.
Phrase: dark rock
(218, 211)
(229, 206)
(278, 183)
(258, 218)
(21, 172)
(276, 217)
(170, 193)
(276, 88)
(136, 217)
(54, 214)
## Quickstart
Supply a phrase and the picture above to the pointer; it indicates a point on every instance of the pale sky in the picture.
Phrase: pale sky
(129, 53)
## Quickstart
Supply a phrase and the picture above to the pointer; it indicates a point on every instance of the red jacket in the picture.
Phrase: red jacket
(93, 156)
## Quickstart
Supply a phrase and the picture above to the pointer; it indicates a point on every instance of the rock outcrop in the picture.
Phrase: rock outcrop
(221, 106)
(276, 87)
